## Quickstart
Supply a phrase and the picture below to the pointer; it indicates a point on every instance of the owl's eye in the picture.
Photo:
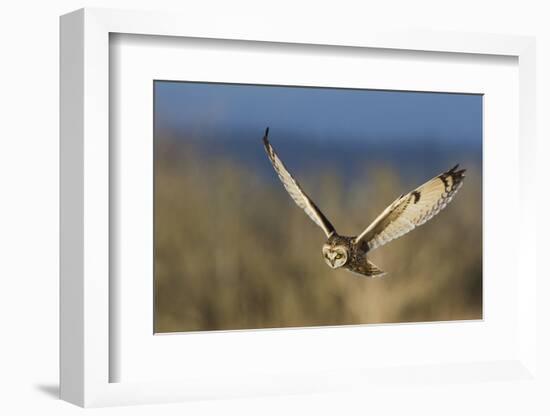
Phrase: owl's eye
(338, 256)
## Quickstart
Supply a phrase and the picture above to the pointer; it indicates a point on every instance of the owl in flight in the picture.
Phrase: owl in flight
(401, 216)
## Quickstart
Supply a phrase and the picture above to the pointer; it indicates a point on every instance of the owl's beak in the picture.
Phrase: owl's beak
(332, 261)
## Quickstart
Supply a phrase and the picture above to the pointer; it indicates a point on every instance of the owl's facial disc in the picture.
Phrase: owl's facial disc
(335, 256)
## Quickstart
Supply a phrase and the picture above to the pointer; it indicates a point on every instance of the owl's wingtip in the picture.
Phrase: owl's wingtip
(457, 173)
(265, 136)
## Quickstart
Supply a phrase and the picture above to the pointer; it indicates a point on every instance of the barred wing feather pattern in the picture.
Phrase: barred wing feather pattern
(413, 209)
(295, 191)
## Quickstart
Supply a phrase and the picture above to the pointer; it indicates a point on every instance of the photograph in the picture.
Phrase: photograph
(281, 206)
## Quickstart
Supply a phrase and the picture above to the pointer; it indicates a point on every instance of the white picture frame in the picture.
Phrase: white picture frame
(86, 301)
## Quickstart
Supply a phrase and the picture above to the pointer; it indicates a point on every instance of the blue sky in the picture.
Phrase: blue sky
(337, 124)
(324, 112)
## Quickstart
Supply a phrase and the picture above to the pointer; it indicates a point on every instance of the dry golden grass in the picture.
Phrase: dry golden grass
(232, 252)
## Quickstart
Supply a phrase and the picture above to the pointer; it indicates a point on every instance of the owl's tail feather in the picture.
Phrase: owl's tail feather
(372, 270)
(365, 268)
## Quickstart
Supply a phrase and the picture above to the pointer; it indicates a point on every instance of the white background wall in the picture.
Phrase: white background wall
(29, 203)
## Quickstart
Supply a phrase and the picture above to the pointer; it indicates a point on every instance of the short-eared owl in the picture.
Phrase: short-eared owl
(401, 216)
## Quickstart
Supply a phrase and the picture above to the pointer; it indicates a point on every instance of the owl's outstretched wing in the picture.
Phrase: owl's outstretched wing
(295, 191)
(413, 209)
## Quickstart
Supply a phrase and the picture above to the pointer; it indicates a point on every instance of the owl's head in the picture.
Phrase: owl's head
(335, 256)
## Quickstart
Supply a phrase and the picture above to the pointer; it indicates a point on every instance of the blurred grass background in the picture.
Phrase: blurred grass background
(233, 251)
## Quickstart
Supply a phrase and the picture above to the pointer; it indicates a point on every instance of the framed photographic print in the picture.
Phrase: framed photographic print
(310, 204)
